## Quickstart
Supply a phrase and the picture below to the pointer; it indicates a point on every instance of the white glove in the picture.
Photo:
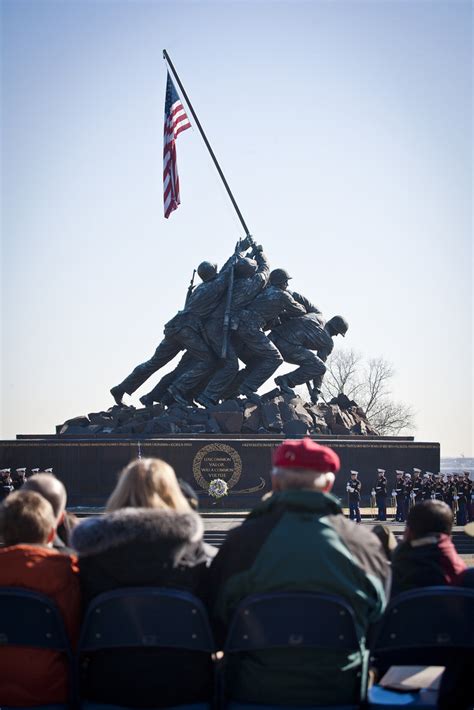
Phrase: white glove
(394, 494)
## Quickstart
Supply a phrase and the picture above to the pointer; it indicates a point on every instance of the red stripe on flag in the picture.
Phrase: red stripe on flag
(176, 121)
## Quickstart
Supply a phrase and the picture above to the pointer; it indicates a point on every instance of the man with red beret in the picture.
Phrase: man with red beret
(298, 539)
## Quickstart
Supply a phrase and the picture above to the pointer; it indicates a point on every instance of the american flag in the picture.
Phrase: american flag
(175, 122)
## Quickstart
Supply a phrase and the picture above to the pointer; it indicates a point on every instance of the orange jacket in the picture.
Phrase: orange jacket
(33, 676)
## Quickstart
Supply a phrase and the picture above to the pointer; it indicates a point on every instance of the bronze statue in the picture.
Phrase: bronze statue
(226, 318)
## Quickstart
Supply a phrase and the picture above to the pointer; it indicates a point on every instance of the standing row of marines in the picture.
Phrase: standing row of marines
(13, 480)
(455, 489)
(242, 312)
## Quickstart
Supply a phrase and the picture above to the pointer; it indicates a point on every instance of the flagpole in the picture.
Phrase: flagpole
(166, 57)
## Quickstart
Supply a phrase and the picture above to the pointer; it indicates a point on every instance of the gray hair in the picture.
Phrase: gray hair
(50, 488)
(294, 478)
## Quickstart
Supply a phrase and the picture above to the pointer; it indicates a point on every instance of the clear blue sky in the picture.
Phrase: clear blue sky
(344, 129)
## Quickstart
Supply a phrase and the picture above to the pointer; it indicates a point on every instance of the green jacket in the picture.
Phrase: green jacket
(298, 540)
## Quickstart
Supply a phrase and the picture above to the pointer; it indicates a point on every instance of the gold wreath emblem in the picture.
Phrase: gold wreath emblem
(223, 448)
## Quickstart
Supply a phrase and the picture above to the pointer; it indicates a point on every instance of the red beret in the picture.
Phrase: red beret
(306, 453)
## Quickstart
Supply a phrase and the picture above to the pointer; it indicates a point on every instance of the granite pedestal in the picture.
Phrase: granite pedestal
(89, 466)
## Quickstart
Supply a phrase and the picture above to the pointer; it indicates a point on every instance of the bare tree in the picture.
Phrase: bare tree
(368, 383)
(341, 374)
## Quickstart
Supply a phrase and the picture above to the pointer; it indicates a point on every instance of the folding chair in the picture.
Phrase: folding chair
(298, 620)
(146, 618)
(432, 626)
(33, 620)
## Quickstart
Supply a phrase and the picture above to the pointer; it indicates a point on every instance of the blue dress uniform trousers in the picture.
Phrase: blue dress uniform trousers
(461, 518)
(400, 513)
(382, 507)
(354, 511)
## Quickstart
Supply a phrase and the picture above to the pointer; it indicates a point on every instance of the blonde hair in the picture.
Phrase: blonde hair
(26, 517)
(148, 483)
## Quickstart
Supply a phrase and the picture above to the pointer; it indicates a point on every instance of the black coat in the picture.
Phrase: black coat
(136, 547)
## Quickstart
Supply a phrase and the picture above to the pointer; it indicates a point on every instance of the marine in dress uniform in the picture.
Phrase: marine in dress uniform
(451, 492)
(381, 495)
(463, 493)
(438, 488)
(398, 495)
(353, 489)
(470, 495)
(6, 485)
(416, 484)
(407, 490)
(18, 478)
(426, 485)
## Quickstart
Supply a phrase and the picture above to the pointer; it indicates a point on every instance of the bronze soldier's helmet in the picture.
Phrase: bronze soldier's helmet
(339, 324)
(206, 270)
(245, 267)
(279, 277)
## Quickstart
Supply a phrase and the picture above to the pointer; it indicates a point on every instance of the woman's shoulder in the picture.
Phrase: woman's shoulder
(143, 525)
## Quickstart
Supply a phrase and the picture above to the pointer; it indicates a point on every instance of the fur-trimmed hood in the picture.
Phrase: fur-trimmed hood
(136, 525)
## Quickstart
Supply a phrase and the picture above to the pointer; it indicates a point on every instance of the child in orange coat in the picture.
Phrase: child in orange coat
(33, 676)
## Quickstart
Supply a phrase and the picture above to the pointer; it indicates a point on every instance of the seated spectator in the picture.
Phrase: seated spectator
(149, 536)
(64, 531)
(457, 682)
(387, 539)
(54, 491)
(427, 556)
(298, 539)
(27, 525)
(189, 493)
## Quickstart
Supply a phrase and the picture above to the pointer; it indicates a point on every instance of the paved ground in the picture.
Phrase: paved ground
(218, 523)
(216, 526)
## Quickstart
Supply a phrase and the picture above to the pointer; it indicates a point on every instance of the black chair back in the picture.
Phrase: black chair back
(293, 620)
(144, 635)
(426, 626)
(146, 617)
(299, 619)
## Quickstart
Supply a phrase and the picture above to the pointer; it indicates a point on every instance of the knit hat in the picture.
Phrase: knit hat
(305, 453)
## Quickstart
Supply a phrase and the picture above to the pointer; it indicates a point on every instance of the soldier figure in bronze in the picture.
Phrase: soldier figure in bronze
(305, 342)
(250, 326)
(184, 332)
(251, 276)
